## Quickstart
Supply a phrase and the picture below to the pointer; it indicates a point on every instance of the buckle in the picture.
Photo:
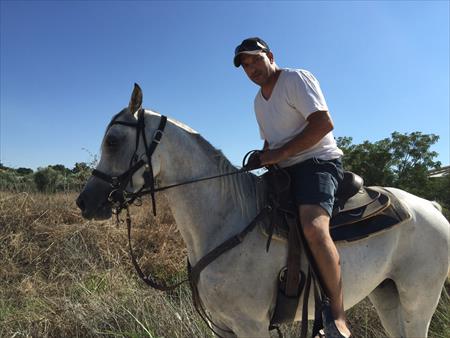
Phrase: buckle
(157, 136)
(282, 274)
(115, 182)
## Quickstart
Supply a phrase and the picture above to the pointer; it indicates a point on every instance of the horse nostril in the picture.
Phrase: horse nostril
(80, 203)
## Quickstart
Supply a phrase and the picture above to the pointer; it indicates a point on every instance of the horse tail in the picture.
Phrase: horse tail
(437, 206)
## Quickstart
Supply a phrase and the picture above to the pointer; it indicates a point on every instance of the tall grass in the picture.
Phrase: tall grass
(62, 276)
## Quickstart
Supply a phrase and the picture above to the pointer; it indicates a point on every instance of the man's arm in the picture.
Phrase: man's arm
(319, 124)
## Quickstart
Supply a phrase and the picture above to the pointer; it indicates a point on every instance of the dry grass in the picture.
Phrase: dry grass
(62, 276)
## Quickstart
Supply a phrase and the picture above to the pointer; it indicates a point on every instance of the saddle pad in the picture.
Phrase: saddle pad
(394, 214)
(389, 212)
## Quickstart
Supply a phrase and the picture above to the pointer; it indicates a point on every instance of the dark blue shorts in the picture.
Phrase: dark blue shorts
(316, 181)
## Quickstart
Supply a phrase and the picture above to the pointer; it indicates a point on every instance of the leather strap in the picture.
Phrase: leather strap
(304, 326)
(225, 246)
(294, 258)
(147, 279)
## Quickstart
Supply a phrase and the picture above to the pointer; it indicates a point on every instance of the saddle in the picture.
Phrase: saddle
(358, 212)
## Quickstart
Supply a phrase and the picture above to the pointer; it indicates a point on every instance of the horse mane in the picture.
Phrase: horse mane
(243, 188)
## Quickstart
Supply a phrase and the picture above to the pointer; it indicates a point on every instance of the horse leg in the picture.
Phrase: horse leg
(249, 329)
(407, 312)
(224, 333)
(417, 308)
(386, 300)
(219, 328)
(240, 326)
(245, 326)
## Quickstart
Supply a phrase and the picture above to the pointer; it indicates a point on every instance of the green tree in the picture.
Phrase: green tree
(438, 190)
(402, 161)
(412, 159)
(369, 160)
(60, 168)
(81, 167)
(46, 179)
(24, 171)
(80, 174)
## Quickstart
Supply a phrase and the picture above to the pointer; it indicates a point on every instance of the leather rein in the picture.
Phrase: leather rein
(121, 199)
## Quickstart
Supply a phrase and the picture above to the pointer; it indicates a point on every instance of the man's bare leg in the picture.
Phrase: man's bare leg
(316, 227)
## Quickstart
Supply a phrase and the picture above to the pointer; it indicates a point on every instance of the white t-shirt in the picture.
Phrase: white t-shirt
(295, 96)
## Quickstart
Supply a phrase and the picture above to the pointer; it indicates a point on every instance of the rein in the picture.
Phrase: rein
(121, 199)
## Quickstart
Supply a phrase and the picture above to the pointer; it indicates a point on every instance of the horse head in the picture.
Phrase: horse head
(128, 163)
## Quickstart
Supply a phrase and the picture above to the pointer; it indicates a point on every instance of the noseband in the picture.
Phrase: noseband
(119, 197)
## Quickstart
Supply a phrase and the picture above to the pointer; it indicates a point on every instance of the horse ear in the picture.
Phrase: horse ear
(136, 99)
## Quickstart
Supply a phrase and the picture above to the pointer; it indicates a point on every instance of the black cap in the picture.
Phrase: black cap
(250, 46)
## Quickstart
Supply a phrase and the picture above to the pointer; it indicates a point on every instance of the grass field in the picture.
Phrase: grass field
(62, 276)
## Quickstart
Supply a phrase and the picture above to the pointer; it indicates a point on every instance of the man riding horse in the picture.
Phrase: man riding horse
(296, 127)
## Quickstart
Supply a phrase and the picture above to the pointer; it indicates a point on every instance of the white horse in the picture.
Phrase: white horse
(402, 270)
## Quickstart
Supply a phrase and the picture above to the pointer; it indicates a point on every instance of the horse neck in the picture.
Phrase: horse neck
(209, 212)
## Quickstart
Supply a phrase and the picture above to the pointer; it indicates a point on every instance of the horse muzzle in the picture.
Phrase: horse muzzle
(93, 201)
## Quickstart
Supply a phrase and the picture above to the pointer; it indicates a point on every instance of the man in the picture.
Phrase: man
(296, 127)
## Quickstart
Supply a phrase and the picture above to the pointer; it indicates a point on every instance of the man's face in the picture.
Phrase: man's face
(257, 67)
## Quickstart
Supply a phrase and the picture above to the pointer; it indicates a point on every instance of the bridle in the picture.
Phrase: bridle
(119, 197)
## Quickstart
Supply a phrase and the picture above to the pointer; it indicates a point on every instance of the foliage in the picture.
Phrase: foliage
(12, 181)
(60, 168)
(24, 171)
(50, 179)
(45, 179)
(402, 161)
(369, 160)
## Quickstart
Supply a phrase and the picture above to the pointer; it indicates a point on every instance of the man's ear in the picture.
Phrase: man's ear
(270, 56)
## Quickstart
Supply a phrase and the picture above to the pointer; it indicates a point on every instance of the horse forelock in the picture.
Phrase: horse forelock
(121, 114)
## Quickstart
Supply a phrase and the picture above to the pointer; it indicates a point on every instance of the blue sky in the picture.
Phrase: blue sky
(67, 67)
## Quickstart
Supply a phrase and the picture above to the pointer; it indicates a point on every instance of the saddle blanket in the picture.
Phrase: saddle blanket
(381, 212)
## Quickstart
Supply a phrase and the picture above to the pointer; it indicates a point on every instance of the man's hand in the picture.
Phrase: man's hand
(273, 156)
